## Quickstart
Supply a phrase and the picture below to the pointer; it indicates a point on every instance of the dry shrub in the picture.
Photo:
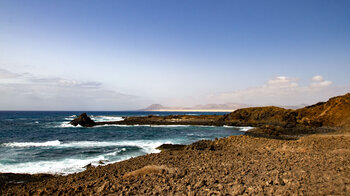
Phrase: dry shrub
(149, 169)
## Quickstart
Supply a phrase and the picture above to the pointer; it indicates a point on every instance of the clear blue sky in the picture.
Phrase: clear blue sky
(170, 52)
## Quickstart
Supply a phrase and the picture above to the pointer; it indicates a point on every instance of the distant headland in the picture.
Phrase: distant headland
(269, 121)
(227, 107)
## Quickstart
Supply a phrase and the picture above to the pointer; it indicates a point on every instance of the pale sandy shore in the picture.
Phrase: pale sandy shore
(190, 110)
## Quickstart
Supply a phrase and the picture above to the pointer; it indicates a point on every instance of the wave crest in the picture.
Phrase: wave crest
(33, 144)
(148, 146)
(106, 118)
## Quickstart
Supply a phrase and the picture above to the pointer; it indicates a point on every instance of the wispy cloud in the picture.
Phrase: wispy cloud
(25, 91)
(318, 81)
(66, 83)
(4, 74)
(282, 90)
(30, 92)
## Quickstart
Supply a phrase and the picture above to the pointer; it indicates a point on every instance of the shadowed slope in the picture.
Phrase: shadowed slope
(335, 113)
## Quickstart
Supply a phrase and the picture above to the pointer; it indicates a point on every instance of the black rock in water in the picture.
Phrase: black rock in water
(83, 120)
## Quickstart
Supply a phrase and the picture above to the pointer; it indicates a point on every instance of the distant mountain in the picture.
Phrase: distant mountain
(293, 107)
(159, 107)
(154, 107)
(206, 107)
(227, 106)
(210, 107)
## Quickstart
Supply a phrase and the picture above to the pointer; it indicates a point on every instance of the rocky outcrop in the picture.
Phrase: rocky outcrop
(211, 120)
(257, 116)
(83, 120)
(334, 113)
(279, 121)
(165, 147)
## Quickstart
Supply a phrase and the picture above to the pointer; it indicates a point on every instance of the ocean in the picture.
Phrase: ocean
(45, 142)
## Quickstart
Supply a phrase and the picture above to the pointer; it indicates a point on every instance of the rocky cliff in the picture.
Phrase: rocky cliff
(270, 121)
(333, 113)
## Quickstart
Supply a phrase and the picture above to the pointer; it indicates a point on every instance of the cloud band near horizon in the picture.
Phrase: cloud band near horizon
(25, 91)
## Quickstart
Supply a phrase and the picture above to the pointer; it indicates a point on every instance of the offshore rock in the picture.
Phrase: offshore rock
(83, 120)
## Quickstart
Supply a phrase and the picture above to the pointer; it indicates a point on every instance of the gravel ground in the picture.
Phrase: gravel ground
(238, 165)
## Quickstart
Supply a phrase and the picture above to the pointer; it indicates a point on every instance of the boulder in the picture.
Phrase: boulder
(169, 147)
(83, 120)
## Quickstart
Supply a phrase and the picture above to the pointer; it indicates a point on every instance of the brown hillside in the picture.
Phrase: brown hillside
(256, 116)
(335, 113)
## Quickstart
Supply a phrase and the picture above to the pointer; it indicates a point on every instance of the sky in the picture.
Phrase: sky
(126, 55)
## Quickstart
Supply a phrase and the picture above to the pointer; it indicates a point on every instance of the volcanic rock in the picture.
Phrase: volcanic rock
(333, 113)
(83, 120)
(164, 147)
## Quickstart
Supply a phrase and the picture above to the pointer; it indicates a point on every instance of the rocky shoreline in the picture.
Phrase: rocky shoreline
(269, 121)
(312, 165)
(293, 152)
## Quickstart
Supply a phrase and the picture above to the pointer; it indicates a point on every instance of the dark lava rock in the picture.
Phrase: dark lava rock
(202, 145)
(164, 147)
(83, 120)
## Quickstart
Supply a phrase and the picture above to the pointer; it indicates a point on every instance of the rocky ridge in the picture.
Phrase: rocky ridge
(269, 121)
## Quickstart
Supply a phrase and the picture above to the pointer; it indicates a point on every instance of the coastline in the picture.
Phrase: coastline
(232, 165)
(289, 152)
(191, 110)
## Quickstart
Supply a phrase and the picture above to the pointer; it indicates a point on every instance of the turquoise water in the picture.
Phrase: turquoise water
(44, 142)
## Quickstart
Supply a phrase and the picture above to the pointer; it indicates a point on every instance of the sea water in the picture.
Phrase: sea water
(45, 142)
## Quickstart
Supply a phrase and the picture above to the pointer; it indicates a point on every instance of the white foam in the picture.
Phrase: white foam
(244, 129)
(73, 165)
(106, 118)
(137, 125)
(147, 146)
(66, 124)
(178, 125)
(33, 144)
(115, 125)
(66, 166)
(70, 118)
(226, 126)
(116, 152)
(169, 125)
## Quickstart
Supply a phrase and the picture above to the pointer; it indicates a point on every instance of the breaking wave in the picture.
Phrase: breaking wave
(32, 144)
(75, 163)
(64, 167)
(244, 129)
(148, 146)
(106, 118)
